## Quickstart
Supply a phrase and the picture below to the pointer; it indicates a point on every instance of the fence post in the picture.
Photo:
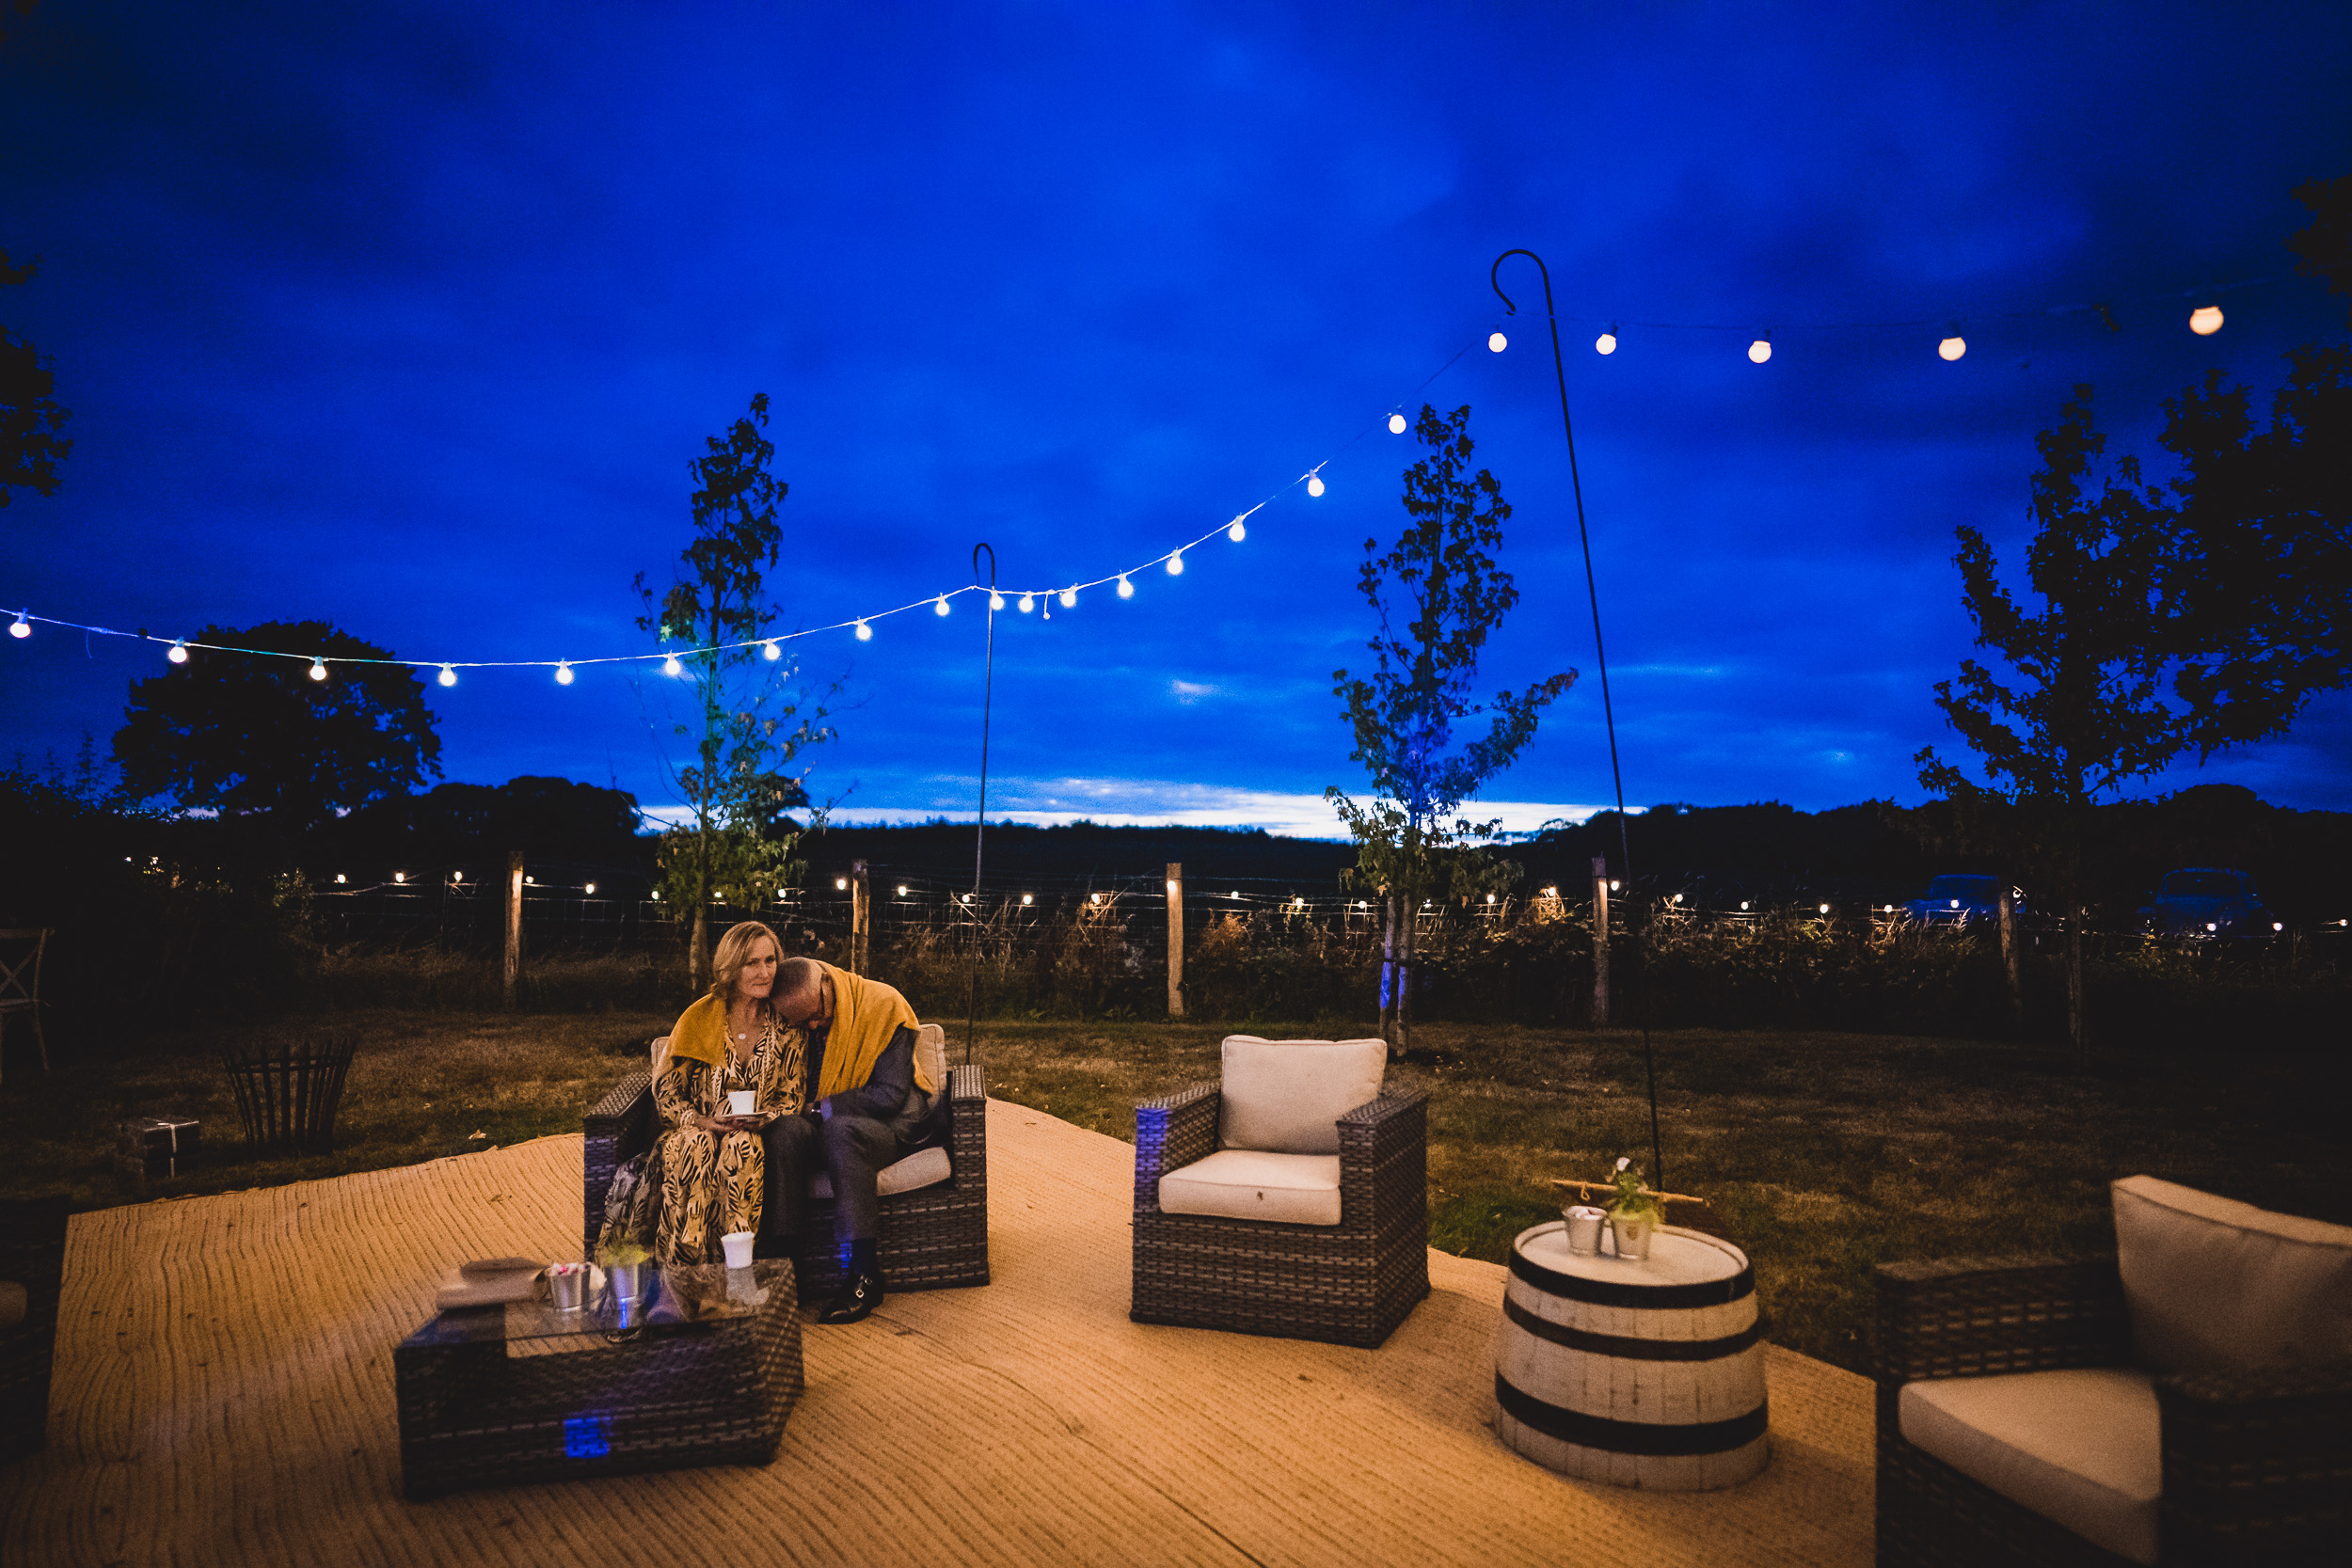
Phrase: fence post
(2009, 956)
(861, 917)
(1600, 941)
(1175, 939)
(513, 922)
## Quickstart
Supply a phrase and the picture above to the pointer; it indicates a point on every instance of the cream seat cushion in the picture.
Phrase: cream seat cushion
(2213, 1285)
(2079, 1447)
(1252, 1184)
(1286, 1096)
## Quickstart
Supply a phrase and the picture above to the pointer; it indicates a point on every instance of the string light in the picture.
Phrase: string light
(1029, 602)
(1497, 342)
(1314, 485)
(770, 651)
(1236, 531)
(1761, 349)
(1175, 564)
(21, 628)
(448, 677)
(563, 674)
(2205, 320)
(339, 879)
(318, 668)
(177, 652)
(1027, 899)
(456, 875)
(1607, 342)
(1070, 598)
(400, 876)
(669, 666)
(1951, 348)
(1397, 424)
(589, 890)
(902, 890)
(841, 883)
(996, 600)
(864, 633)
(940, 608)
(1126, 588)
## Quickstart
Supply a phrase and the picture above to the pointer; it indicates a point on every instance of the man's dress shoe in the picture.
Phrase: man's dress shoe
(859, 1296)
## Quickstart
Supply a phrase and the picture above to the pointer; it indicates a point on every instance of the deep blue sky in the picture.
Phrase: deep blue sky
(411, 317)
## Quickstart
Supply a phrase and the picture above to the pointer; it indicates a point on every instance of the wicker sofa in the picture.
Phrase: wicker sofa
(932, 1237)
(2255, 1460)
(32, 1258)
(1349, 1282)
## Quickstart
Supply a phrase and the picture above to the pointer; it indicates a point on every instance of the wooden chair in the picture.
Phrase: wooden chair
(17, 993)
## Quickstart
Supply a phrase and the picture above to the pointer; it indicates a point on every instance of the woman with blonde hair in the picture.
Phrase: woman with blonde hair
(713, 1165)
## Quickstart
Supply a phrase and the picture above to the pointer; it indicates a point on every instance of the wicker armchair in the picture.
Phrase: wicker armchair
(32, 1254)
(1350, 1284)
(2257, 1468)
(931, 1237)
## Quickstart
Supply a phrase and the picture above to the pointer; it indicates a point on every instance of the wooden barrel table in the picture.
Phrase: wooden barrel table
(1647, 1375)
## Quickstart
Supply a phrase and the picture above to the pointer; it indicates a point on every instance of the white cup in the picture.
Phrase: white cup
(739, 1101)
(738, 1246)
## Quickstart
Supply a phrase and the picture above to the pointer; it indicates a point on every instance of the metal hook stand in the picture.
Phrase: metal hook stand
(1625, 841)
(979, 828)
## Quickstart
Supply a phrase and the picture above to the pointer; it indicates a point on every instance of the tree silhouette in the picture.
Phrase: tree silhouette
(257, 737)
(30, 447)
(1439, 595)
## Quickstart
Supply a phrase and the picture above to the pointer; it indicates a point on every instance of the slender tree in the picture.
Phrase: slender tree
(2082, 710)
(750, 722)
(1438, 594)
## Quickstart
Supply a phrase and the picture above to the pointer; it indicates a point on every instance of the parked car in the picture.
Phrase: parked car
(1957, 899)
(2205, 901)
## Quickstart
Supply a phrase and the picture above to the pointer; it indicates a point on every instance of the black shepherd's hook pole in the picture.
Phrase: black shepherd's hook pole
(979, 828)
(1625, 842)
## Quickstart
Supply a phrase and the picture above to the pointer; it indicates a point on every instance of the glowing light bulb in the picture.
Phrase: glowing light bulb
(1955, 904)
(1397, 424)
(1491, 898)
(1825, 909)
(657, 895)
(841, 881)
(1314, 485)
(1175, 563)
(965, 897)
(1029, 602)
(177, 652)
(20, 626)
(562, 674)
(318, 668)
(864, 633)
(941, 608)
(400, 876)
(1094, 897)
(1744, 903)
(1497, 342)
(1951, 348)
(1548, 893)
(589, 888)
(339, 879)
(1760, 350)
(1126, 588)
(2205, 320)
(1026, 900)
(996, 600)
(448, 677)
(770, 650)
(1070, 598)
(1605, 343)
(902, 890)
(2278, 925)
(1236, 532)
(456, 875)
(669, 666)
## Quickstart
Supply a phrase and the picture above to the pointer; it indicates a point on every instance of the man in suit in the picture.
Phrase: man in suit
(871, 1108)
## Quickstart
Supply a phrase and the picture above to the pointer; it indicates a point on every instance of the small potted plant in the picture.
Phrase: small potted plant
(1634, 1216)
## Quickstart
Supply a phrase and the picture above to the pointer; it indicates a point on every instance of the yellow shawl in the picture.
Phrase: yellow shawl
(866, 1014)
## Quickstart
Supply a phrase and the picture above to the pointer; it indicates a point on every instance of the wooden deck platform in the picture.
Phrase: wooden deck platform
(224, 1396)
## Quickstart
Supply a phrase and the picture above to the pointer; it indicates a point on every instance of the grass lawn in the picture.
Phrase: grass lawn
(1822, 1153)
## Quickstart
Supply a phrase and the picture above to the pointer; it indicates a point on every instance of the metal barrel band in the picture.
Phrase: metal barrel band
(1629, 1437)
(1624, 1348)
(1610, 1293)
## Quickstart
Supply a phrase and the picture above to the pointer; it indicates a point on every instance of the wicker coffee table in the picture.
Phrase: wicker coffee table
(492, 1395)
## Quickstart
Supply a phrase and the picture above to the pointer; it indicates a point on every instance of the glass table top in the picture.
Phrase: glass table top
(678, 1297)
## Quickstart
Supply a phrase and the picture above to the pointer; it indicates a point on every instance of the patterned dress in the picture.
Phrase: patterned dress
(713, 1183)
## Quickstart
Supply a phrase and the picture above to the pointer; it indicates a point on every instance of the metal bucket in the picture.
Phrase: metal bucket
(627, 1289)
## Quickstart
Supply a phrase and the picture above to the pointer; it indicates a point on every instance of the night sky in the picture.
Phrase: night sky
(411, 318)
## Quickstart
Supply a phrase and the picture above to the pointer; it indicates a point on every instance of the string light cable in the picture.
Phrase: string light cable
(2205, 320)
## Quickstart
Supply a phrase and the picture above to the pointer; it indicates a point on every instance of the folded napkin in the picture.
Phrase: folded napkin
(487, 1283)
